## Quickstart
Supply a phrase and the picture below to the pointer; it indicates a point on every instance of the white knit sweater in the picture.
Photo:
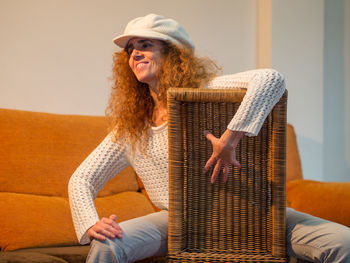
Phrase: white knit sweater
(264, 89)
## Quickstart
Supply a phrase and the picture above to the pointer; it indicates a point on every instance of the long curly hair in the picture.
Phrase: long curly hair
(130, 107)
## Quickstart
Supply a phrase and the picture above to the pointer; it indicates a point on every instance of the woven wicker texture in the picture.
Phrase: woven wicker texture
(242, 220)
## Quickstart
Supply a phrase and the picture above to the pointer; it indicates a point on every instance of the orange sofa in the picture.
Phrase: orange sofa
(40, 151)
(38, 154)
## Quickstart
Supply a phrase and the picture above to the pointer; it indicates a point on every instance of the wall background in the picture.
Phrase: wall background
(56, 56)
(297, 51)
(310, 46)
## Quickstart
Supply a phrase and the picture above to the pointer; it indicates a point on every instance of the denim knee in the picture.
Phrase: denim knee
(315, 239)
(339, 251)
(336, 248)
(106, 251)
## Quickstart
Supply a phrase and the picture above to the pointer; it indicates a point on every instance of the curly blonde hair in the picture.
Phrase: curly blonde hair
(130, 106)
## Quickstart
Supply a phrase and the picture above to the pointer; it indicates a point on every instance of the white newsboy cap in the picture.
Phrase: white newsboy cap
(156, 27)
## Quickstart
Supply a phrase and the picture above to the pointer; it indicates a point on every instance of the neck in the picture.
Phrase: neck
(159, 111)
(154, 94)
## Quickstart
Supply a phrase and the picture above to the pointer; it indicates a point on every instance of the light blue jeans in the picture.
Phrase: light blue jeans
(308, 237)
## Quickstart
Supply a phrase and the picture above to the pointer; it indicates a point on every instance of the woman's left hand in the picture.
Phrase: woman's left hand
(224, 153)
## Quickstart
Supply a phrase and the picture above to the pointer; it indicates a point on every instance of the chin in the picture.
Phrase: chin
(144, 81)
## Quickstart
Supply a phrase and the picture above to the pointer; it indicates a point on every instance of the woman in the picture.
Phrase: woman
(159, 54)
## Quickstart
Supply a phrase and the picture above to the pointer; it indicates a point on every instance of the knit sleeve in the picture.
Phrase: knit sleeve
(107, 160)
(264, 89)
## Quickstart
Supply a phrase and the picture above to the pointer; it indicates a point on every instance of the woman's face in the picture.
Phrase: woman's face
(145, 58)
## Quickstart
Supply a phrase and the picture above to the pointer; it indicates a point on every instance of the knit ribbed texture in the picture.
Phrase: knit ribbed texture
(106, 161)
(264, 88)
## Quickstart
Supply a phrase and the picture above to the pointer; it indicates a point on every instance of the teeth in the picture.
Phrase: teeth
(140, 65)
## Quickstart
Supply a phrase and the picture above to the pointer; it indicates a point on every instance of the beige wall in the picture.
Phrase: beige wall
(297, 51)
(310, 46)
(56, 55)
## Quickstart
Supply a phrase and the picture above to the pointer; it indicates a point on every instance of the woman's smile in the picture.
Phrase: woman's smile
(141, 65)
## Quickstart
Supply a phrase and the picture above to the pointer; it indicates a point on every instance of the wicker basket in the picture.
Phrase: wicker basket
(242, 220)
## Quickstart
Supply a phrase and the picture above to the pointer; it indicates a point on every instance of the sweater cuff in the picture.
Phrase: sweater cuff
(83, 236)
(84, 240)
(249, 127)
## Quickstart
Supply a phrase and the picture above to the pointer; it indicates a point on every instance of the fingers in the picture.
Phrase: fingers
(210, 136)
(225, 167)
(209, 164)
(113, 217)
(106, 227)
(225, 176)
(223, 155)
(112, 228)
(97, 236)
(220, 164)
(101, 233)
(234, 162)
(116, 228)
(111, 221)
(216, 171)
(93, 234)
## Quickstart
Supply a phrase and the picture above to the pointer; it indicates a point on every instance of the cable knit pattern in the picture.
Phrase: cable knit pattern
(264, 89)
(153, 168)
(106, 161)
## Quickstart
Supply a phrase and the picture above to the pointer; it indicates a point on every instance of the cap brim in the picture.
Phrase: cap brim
(123, 40)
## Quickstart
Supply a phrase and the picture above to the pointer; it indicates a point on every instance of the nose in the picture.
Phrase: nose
(136, 54)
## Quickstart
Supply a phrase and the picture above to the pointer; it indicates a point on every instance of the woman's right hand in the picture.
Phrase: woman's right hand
(106, 227)
(224, 153)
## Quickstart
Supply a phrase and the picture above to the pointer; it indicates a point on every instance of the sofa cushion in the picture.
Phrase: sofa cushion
(40, 151)
(328, 200)
(41, 221)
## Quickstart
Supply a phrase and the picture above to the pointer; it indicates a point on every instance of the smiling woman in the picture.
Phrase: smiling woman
(158, 54)
(143, 72)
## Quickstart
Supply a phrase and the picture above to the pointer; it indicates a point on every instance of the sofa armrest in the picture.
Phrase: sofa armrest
(328, 200)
